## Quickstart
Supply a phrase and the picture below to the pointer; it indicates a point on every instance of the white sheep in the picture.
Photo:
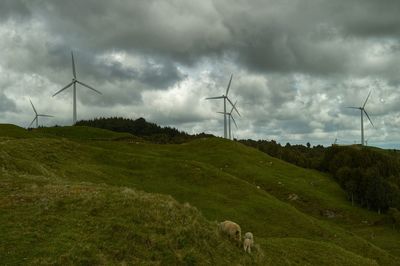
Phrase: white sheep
(248, 242)
(232, 229)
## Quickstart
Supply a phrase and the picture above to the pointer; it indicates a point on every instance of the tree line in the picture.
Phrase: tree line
(369, 176)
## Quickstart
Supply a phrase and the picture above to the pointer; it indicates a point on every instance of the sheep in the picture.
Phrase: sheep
(249, 235)
(248, 242)
(232, 230)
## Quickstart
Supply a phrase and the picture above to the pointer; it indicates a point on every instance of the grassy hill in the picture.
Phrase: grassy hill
(84, 133)
(90, 224)
(74, 197)
(370, 176)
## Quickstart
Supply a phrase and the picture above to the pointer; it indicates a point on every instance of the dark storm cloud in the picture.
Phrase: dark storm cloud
(14, 9)
(368, 18)
(274, 36)
(315, 37)
(161, 74)
(178, 29)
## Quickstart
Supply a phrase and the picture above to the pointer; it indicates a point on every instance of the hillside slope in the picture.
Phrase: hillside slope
(54, 223)
(218, 177)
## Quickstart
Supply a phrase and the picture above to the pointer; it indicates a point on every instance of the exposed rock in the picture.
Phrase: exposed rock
(328, 213)
(293, 196)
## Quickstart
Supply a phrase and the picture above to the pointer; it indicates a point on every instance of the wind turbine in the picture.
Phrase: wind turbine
(225, 97)
(37, 116)
(362, 110)
(230, 116)
(73, 82)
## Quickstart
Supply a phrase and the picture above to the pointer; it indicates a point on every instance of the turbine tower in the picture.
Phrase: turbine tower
(225, 97)
(362, 110)
(73, 82)
(37, 116)
(230, 116)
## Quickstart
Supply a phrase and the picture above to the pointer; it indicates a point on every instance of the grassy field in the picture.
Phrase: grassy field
(72, 195)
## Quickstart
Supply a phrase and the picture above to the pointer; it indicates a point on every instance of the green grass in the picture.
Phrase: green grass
(84, 133)
(91, 225)
(13, 131)
(218, 177)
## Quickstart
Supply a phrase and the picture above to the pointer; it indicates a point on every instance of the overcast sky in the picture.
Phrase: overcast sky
(296, 64)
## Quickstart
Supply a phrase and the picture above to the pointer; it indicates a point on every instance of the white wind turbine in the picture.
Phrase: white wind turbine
(225, 97)
(362, 109)
(73, 82)
(37, 116)
(230, 116)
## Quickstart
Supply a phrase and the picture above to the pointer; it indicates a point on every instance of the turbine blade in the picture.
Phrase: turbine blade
(32, 122)
(353, 107)
(234, 107)
(87, 86)
(369, 118)
(66, 87)
(217, 97)
(221, 113)
(366, 99)
(229, 85)
(33, 107)
(233, 119)
(46, 115)
(73, 65)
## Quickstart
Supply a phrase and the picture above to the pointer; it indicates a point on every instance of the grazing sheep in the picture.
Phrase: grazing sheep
(232, 230)
(248, 235)
(248, 242)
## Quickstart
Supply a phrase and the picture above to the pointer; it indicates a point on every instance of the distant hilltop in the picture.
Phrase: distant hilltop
(141, 128)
